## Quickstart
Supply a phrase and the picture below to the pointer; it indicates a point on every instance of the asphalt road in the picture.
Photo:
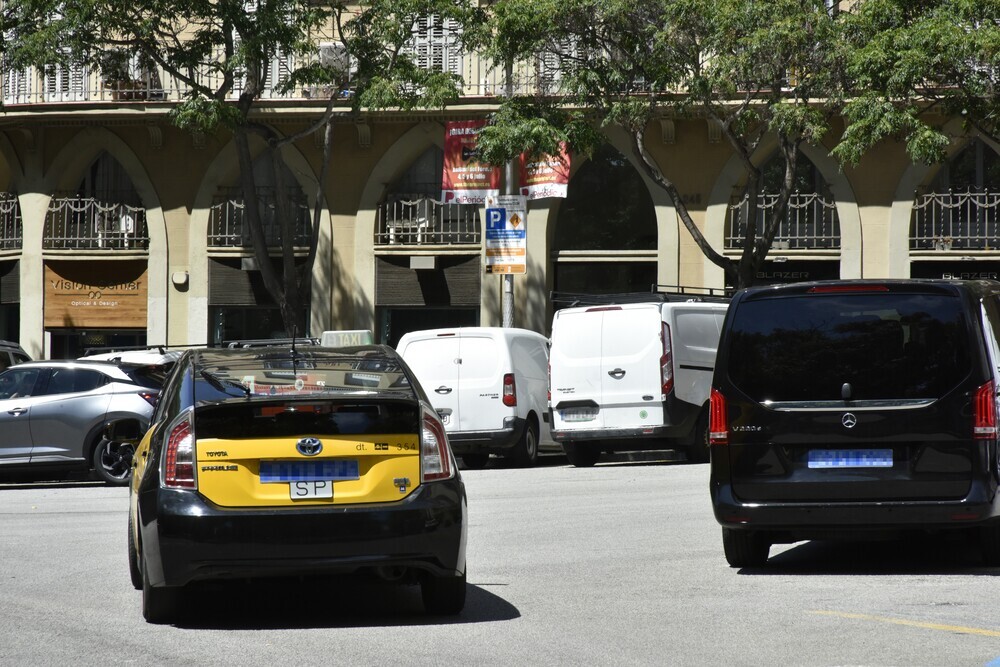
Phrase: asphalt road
(620, 564)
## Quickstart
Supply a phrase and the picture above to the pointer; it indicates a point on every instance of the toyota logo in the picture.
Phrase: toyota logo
(848, 420)
(309, 446)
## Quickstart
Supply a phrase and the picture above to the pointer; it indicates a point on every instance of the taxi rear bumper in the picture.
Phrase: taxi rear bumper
(186, 538)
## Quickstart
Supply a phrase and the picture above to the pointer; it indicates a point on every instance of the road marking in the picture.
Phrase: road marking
(916, 624)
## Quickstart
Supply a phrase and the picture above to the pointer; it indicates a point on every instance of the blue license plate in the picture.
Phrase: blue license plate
(272, 472)
(850, 458)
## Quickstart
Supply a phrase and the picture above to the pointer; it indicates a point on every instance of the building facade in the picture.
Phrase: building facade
(117, 228)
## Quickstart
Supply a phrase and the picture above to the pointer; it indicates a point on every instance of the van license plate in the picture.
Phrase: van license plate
(850, 458)
(311, 490)
(578, 414)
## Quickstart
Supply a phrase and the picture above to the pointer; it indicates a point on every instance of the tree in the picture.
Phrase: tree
(914, 62)
(222, 52)
(755, 68)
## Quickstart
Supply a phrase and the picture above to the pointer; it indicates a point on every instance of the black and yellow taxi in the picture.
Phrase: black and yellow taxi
(284, 461)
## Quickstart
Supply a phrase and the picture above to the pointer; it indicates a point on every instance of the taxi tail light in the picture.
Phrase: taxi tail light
(667, 361)
(436, 461)
(984, 412)
(178, 460)
(509, 390)
(718, 428)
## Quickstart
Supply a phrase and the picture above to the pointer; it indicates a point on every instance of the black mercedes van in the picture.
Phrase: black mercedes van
(856, 408)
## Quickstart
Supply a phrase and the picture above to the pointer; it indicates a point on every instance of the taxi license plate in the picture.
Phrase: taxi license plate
(311, 490)
(578, 414)
(850, 458)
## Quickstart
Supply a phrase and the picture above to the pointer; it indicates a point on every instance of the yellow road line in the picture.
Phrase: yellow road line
(916, 624)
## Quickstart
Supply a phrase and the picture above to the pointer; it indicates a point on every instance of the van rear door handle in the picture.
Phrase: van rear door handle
(443, 390)
(617, 374)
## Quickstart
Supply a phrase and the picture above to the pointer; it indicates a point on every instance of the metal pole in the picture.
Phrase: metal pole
(507, 297)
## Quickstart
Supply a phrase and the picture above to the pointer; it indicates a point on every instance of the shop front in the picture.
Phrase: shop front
(91, 305)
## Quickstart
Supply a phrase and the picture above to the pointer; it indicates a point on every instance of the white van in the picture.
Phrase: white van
(633, 376)
(489, 385)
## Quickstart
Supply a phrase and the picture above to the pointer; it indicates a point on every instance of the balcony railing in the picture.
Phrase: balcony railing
(10, 221)
(955, 221)
(810, 222)
(226, 228)
(84, 223)
(426, 221)
(83, 84)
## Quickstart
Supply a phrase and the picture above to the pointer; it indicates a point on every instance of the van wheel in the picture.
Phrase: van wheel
(989, 540)
(476, 461)
(698, 451)
(525, 452)
(582, 455)
(745, 548)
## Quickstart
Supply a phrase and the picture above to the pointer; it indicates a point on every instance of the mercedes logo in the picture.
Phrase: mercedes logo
(848, 420)
(309, 446)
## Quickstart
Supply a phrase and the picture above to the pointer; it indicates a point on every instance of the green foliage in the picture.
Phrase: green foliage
(911, 58)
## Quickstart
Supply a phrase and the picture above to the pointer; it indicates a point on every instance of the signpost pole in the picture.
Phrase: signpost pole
(507, 297)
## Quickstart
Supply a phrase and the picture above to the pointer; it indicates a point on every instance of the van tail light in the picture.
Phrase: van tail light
(509, 390)
(718, 428)
(984, 412)
(436, 461)
(667, 362)
(178, 461)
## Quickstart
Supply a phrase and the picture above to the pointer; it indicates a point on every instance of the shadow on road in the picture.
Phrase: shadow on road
(957, 553)
(327, 603)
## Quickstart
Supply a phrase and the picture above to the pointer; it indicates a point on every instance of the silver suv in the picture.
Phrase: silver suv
(53, 414)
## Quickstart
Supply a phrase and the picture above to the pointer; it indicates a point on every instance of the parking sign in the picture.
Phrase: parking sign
(506, 234)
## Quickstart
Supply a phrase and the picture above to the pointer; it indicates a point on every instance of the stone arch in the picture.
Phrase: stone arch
(221, 171)
(912, 178)
(72, 160)
(394, 162)
(851, 236)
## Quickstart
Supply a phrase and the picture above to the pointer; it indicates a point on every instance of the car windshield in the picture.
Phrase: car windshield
(224, 374)
(884, 346)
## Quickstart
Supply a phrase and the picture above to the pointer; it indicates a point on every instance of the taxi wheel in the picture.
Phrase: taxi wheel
(159, 605)
(443, 596)
(112, 461)
(475, 461)
(133, 558)
(525, 452)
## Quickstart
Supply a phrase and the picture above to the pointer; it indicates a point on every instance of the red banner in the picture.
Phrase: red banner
(545, 176)
(465, 180)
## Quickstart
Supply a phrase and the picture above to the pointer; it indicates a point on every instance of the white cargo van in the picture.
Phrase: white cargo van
(489, 384)
(633, 376)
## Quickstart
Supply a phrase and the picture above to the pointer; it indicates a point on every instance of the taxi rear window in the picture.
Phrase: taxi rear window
(884, 345)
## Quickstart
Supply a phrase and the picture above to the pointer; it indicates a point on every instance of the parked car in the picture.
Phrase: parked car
(11, 354)
(490, 387)
(53, 413)
(279, 461)
(634, 376)
(856, 408)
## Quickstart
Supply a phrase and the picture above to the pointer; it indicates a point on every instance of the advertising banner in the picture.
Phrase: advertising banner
(465, 180)
(506, 234)
(545, 176)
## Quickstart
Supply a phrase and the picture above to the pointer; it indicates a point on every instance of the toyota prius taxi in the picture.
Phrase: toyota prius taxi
(277, 461)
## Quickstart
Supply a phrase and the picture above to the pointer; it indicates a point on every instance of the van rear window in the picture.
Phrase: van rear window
(884, 346)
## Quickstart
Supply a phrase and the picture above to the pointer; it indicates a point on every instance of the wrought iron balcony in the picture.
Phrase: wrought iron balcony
(226, 228)
(955, 221)
(425, 221)
(85, 223)
(810, 222)
(10, 222)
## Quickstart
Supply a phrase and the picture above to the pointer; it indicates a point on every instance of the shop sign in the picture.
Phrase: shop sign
(960, 270)
(96, 294)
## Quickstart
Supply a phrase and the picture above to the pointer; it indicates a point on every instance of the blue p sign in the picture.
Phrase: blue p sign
(496, 218)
